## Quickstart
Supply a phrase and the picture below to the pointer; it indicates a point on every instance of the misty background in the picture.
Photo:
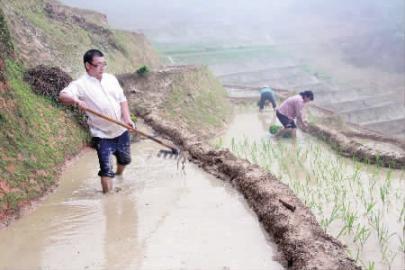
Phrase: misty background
(350, 53)
(369, 31)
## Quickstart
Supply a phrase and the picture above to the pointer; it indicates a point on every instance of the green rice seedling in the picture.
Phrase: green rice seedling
(402, 243)
(354, 197)
(362, 234)
(376, 223)
(378, 160)
(389, 256)
(219, 143)
(402, 215)
(370, 265)
(350, 218)
(383, 193)
(325, 222)
(274, 128)
(370, 206)
(233, 145)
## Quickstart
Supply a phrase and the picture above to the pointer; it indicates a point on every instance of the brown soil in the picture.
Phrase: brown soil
(47, 81)
(294, 228)
(156, 91)
(349, 139)
(350, 147)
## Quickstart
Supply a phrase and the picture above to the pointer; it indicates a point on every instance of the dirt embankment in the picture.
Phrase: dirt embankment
(348, 144)
(190, 96)
(354, 142)
(283, 215)
(292, 225)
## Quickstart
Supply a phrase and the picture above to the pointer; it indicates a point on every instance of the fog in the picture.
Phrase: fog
(351, 53)
(356, 25)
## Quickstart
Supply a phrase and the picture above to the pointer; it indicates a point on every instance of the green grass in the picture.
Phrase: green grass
(6, 45)
(66, 41)
(199, 100)
(361, 205)
(35, 139)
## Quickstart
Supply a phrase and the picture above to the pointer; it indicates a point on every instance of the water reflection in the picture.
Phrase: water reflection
(121, 243)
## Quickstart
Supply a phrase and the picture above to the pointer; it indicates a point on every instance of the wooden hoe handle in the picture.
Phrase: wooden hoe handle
(174, 150)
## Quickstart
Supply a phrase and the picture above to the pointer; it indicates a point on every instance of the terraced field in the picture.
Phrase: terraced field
(243, 68)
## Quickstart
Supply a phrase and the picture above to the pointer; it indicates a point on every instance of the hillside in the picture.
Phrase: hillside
(37, 135)
(46, 32)
(189, 96)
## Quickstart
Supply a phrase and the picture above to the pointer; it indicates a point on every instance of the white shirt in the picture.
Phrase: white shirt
(102, 96)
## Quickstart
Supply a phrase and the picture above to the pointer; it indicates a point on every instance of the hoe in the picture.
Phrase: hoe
(173, 152)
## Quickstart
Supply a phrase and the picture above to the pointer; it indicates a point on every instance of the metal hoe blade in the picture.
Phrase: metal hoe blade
(168, 153)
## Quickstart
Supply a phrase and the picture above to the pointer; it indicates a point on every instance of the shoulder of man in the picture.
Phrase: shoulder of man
(109, 76)
(82, 78)
(77, 81)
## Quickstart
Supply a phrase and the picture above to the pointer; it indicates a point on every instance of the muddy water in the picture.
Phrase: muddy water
(159, 217)
(361, 205)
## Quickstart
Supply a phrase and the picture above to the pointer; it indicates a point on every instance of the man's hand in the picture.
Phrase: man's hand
(80, 104)
(130, 123)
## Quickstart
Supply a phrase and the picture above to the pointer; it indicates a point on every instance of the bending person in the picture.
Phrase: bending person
(266, 94)
(290, 110)
(102, 92)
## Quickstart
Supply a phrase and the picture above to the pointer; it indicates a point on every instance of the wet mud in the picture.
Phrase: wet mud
(392, 155)
(159, 217)
(291, 224)
(350, 141)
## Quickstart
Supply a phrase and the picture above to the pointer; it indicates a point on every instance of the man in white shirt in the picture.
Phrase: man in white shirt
(102, 92)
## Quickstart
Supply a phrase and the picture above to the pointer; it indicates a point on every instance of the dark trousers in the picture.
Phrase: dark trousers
(266, 96)
(119, 147)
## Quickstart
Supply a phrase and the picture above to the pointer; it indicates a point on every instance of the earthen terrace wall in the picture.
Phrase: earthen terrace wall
(291, 224)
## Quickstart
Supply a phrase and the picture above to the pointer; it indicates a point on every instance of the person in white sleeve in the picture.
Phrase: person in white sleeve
(102, 92)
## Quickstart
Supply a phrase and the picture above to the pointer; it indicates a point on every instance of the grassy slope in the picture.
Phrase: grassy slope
(189, 96)
(35, 136)
(60, 37)
(198, 100)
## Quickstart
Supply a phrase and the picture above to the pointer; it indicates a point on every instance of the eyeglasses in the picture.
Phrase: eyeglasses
(98, 64)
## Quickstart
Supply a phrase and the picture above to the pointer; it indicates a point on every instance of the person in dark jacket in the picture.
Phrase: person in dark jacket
(266, 95)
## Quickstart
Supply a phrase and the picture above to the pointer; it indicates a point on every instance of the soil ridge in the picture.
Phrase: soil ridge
(297, 233)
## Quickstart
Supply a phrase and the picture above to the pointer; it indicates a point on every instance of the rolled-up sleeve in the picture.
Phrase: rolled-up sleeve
(72, 90)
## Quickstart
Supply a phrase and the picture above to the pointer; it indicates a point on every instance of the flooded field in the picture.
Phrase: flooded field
(369, 97)
(159, 217)
(361, 205)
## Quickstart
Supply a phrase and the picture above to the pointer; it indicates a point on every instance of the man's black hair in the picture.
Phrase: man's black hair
(308, 94)
(90, 54)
